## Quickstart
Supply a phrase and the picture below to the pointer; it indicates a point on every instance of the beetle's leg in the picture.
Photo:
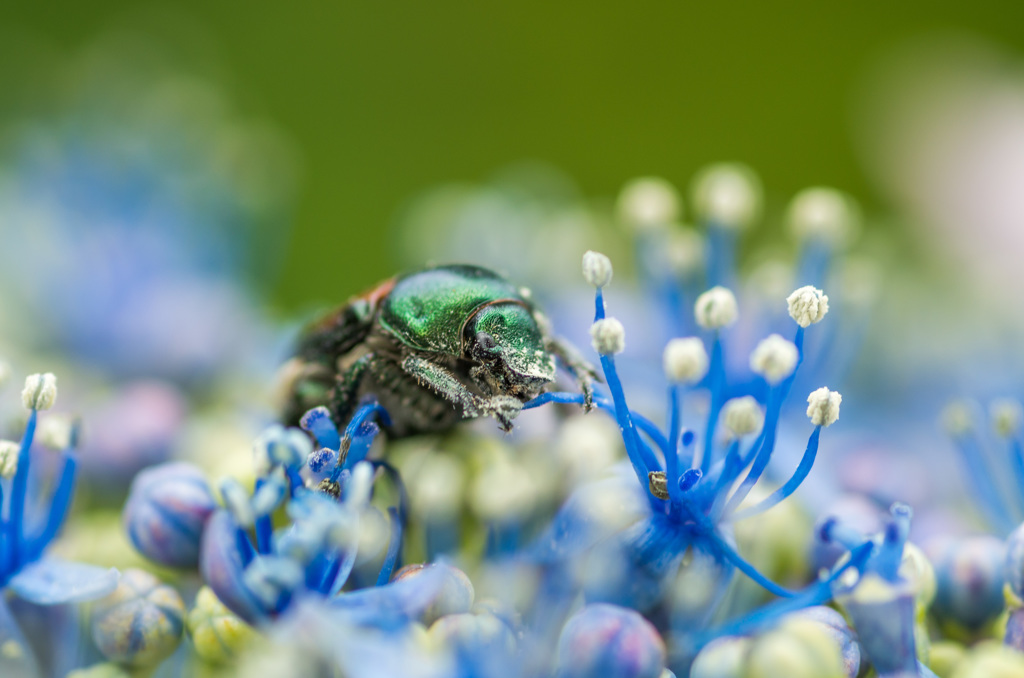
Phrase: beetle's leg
(346, 388)
(447, 385)
(578, 366)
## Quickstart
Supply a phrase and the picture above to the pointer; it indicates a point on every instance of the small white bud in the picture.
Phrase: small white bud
(956, 418)
(685, 360)
(743, 416)
(40, 391)
(5, 372)
(823, 214)
(608, 336)
(55, 432)
(684, 250)
(807, 305)
(823, 406)
(774, 358)
(648, 202)
(727, 195)
(716, 309)
(8, 458)
(1007, 415)
(597, 268)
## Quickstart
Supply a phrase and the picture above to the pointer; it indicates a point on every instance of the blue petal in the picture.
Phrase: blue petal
(51, 582)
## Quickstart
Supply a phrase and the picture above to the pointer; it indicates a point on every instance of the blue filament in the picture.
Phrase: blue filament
(806, 462)
(394, 548)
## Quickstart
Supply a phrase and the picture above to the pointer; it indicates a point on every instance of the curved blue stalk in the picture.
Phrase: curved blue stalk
(890, 552)
(341, 572)
(1017, 462)
(58, 507)
(731, 468)
(625, 421)
(19, 489)
(264, 528)
(984, 488)
(394, 548)
(598, 304)
(733, 556)
(764, 453)
(674, 434)
(716, 384)
(802, 469)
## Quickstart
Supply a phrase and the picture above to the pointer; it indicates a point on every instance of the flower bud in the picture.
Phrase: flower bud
(715, 309)
(648, 202)
(969, 575)
(774, 358)
(40, 391)
(165, 513)
(216, 633)
(465, 634)
(823, 406)
(454, 597)
(104, 670)
(607, 641)
(800, 648)
(597, 269)
(608, 336)
(742, 416)
(807, 305)
(724, 657)
(685, 360)
(727, 195)
(140, 623)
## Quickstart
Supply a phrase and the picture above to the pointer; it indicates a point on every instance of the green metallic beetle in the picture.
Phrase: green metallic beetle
(433, 346)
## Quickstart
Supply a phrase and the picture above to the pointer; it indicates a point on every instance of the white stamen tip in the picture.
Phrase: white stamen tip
(8, 458)
(824, 214)
(1007, 416)
(40, 391)
(685, 360)
(774, 358)
(727, 195)
(743, 416)
(823, 406)
(716, 308)
(55, 432)
(608, 336)
(648, 202)
(807, 305)
(597, 268)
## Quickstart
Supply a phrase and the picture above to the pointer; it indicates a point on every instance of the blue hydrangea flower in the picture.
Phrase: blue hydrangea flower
(30, 520)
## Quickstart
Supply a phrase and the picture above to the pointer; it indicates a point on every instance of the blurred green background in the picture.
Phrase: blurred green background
(385, 99)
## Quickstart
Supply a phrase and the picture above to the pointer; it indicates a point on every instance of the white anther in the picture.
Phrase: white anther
(684, 250)
(823, 214)
(823, 406)
(727, 195)
(1006, 416)
(648, 202)
(8, 458)
(774, 358)
(743, 416)
(597, 268)
(608, 336)
(40, 391)
(55, 432)
(685, 360)
(716, 308)
(807, 305)
(956, 418)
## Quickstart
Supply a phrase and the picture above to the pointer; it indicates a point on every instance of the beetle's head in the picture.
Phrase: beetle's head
(503, 338)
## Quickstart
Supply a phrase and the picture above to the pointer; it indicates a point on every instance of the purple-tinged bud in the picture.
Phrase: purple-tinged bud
(800, 648)
(969, 577)
(607, 641)
(884, 613)
(141, 622)
(455, 595)
(724, 657)
(166, 511)
(839, 631)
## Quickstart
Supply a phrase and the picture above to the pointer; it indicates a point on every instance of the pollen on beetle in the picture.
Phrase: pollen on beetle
(774, 358)
(823, 406)
(727, 195)
(597, 268)
(8, 458)
(607, 336)
(807, 305)
(716, 308)
(824, 214)
(743, 416)
(40, 391)
(648, 202)
(685, 360)
(1007, 416)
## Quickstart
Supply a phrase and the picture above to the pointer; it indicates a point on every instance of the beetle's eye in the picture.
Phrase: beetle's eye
(485, 341)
